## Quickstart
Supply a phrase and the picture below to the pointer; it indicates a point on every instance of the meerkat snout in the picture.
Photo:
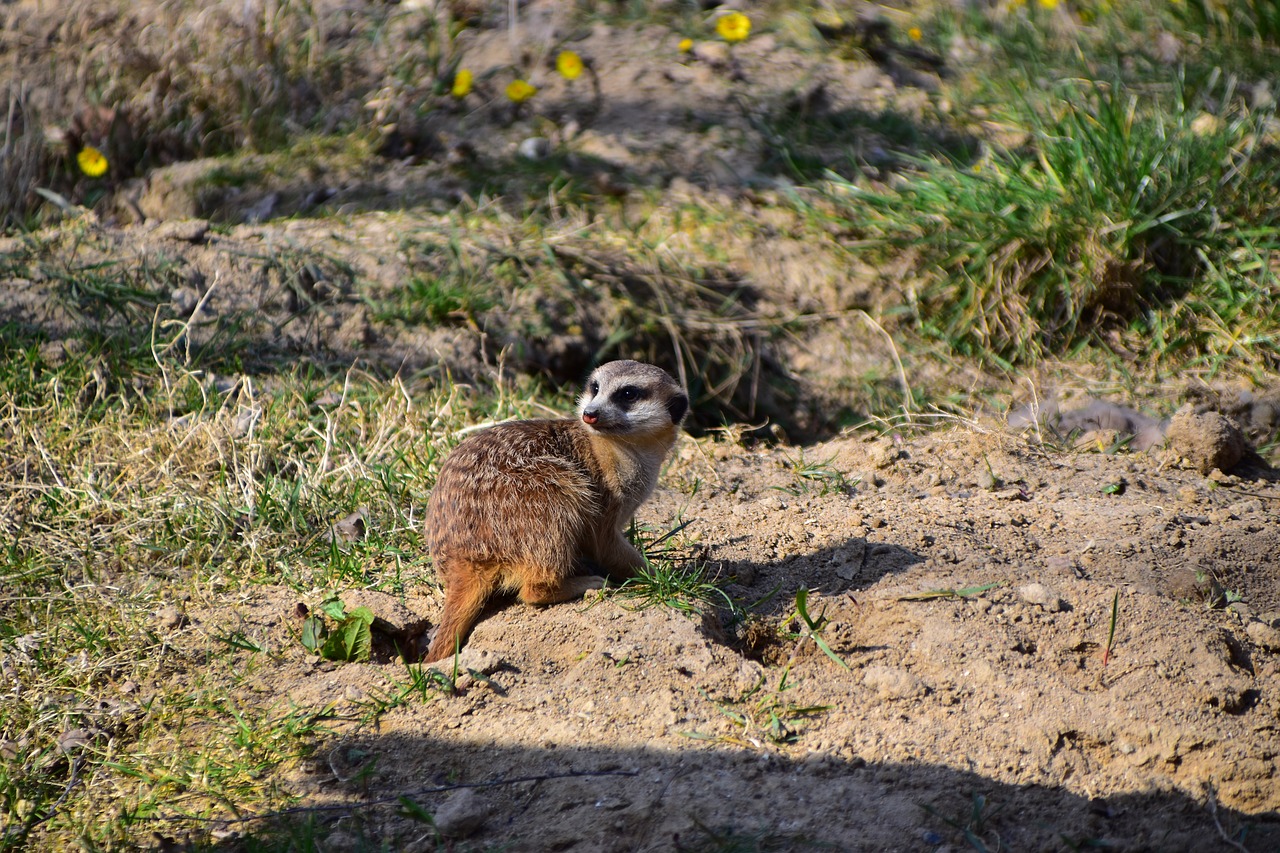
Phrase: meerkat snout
(518, 505)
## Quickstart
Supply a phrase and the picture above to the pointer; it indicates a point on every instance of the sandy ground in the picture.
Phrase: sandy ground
(993, 710)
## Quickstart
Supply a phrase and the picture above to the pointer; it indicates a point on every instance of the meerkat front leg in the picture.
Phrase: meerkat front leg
(619, 558)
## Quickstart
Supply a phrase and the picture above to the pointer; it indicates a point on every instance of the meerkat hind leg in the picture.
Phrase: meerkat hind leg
(464, 600)
(566, 589)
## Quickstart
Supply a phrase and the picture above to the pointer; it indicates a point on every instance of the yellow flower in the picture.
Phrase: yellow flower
(569, 64)
(915, 34)
(461, 83)
(1048, 4)
(92, 162)
(519, 91)
(685, 45)
(733, 27)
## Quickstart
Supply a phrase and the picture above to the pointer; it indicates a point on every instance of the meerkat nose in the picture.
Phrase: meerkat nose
(590, 417)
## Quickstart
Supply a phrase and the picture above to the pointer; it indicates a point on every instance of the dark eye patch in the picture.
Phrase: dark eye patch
(628, 395)
(594, 388)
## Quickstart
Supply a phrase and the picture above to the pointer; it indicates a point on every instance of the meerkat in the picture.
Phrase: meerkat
(519, 505)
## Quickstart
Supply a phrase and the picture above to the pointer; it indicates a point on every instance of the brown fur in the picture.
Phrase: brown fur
(517, 505)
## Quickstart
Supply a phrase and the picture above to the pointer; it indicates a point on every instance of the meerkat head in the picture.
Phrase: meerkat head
(630, 397)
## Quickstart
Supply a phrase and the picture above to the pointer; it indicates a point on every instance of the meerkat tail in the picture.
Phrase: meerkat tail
(464, 599)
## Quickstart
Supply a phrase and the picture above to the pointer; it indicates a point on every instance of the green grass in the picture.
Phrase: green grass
(668, 580)
(1145, 215)
(973, 826)
(1245, 33)
(128, 494)
(763, 716)
(820, 478)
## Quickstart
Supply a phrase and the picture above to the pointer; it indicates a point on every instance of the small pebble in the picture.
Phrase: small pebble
(462, 814)
(185, 300)
(169, 618)
(1041, 595)
(535, 148)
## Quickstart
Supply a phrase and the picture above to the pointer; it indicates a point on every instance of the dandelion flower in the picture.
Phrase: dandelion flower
(733, 27)
(1048, 4)
(461, 83)
(92, 162)
(915, 34)
(685, 45)
(519, 91)
(569, 64)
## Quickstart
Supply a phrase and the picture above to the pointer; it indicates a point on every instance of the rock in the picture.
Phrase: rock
(348, 530)
(892, 682)
(1264, 635)
(356, 330)
(1205, 441)
(185, 300)
(1040, 595)
(1194, 584)
(262, 209)
(169, 618)
(178, 192)
(535, 148)
(884, 453)
(56, 353)
(74, 740)
(185, 230)
(711, 52)
(462, 814)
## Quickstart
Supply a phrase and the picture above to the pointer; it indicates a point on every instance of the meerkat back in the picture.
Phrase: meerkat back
(517, 506)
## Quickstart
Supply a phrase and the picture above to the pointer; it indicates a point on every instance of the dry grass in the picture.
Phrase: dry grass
(131, 504)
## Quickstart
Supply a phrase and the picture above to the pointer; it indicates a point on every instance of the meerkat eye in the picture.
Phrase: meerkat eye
(594, 388)
(629, 394)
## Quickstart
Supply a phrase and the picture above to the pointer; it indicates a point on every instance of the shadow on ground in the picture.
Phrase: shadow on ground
(572, 796)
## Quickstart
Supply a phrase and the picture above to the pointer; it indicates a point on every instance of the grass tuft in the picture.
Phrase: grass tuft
(1105, 220)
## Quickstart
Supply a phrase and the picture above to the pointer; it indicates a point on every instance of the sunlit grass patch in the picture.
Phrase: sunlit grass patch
(155, 490)
(1115, 213)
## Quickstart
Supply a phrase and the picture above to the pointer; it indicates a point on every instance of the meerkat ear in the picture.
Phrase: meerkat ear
(678, 406)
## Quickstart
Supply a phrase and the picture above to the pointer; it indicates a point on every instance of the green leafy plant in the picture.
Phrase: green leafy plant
(811, 628)
(685, 585)
(423, 684)
(350, 638)
(661, 582)
(432, 300)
